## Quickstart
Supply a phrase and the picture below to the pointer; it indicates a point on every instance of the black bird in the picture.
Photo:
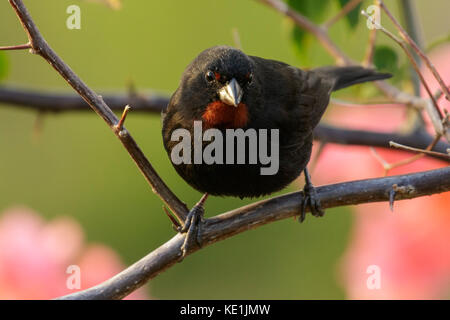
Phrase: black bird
(226, 89)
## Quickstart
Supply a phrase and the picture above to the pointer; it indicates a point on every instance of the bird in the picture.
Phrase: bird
(225, 89)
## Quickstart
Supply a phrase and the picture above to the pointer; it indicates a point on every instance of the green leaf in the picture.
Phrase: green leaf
(385, 58)
(314, 10)
(3, 65)
(353, 16)
(301, 42)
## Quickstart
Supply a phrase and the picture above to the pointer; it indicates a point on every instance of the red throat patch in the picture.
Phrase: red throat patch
(219, 114)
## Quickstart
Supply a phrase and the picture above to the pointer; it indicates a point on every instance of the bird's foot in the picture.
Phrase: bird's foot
(193, 227)
(310, 198)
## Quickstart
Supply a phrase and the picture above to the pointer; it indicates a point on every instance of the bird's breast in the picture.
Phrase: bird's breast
(221, 115)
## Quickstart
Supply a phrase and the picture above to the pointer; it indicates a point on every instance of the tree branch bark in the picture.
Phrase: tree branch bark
(228, 224)
(155, 103)
(68, 102)
(39, 46)
(419, 138)
(236, 221)
(342, 59)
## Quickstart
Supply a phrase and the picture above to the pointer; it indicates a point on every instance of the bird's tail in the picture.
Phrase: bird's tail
(348, 76)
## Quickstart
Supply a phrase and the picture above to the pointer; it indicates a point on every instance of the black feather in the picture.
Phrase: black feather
(348, 76)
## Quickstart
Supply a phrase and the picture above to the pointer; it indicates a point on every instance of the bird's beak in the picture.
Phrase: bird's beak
(231, 93)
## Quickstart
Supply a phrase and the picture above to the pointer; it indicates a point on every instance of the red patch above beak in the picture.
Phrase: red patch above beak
(219, 114)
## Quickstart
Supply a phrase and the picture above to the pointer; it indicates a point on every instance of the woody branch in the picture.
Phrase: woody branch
(228, 224)
(155, 103)
(39, 46)
(231, 223)
(341, 58)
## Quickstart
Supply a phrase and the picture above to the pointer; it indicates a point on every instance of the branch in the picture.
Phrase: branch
(422, 151)
(154, 103)
(39, 46)
(343, 12)
(389, 166)
(417, 49)
(65, 102)
(306, 24)
(435, 113)
(419, 138)
(239, 220)
(370, 51)
(408, 13)
(16, 47)
(260, 213)
(341, 58)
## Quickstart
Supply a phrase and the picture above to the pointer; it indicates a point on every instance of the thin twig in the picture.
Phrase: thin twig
(430, 153)
(305, 23)
(416, 48)
(438, 93)
(119, 125)
(370, 51)
(386, 165)
(408, 14)
(344, 11)
(389, 166)
(435, 114)
(175, 224)
(17, 47)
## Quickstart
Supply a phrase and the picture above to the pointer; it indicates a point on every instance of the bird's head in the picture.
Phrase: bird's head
(228, 72)
(223, 75)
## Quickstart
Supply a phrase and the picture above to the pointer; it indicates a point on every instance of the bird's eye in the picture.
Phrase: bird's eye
(249, 77)
(210, 76)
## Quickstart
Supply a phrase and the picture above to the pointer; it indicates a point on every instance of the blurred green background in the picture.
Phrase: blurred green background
(76, 166)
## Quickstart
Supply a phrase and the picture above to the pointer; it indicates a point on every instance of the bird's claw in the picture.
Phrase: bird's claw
(310, 198)
(193, 228)
(392, 194)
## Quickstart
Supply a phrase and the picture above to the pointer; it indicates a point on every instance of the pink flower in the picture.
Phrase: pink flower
(35, 256)
(411, 246)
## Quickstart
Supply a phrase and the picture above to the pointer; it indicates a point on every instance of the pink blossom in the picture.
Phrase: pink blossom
(411, 246)
(35, 256)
